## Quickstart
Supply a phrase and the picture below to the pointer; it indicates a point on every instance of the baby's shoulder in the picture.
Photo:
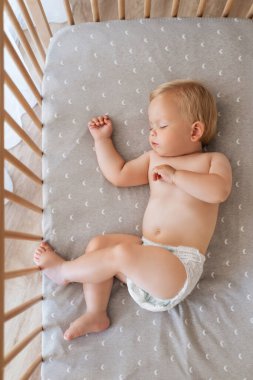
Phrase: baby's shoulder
(218, 156)
(219, 163)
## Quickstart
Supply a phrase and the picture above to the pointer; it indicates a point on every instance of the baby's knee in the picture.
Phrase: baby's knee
(123, 252)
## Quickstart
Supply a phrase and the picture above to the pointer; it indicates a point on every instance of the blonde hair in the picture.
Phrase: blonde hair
(196, 104)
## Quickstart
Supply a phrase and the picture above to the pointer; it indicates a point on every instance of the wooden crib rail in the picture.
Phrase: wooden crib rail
(23, 40)
(34, 84)
(22, 201)
(31, 368)
(24, 136)
(21, 99)
(20, 272)
(22, 69)
(23, 168)
(40, 20)
(21, 345)
(32, 29)
(19, 309)
(1, 201)
(250, 13)
(147, 9)
(35, 43)
(2, 227)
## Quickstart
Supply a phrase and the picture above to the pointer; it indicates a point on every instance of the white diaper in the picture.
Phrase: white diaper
(193, 262)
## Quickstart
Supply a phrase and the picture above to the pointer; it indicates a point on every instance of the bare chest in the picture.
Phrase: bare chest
(198, 162)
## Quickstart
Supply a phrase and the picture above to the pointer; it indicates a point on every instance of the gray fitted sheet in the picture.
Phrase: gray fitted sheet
(95, 68)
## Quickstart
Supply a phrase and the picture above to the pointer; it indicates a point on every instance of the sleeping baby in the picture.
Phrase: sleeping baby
(187, 185)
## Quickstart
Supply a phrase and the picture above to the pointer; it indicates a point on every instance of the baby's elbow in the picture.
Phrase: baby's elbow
(223, 190)
(223, 194)
(114, 182)
(118, 182)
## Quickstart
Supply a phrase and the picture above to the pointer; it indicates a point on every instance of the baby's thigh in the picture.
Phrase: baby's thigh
(156, 270)
(110, 240)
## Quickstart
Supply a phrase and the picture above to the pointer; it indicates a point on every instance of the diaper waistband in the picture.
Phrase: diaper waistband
(174, 248)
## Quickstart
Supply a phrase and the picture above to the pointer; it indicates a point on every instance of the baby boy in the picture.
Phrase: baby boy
(186, 187)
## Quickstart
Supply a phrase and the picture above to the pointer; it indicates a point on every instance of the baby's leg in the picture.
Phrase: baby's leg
(152, 268)
(95, 318)
(96, 295)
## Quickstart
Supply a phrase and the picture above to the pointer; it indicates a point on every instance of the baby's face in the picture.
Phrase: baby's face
(170, 132)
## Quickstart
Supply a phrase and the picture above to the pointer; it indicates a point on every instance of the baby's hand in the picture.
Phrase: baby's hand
(100, 127)
(164, 173)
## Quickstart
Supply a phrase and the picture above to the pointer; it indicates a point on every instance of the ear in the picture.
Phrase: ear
(197, 130)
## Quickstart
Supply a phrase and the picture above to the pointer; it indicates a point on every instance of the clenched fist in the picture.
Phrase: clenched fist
(100, 127)
(164, 173)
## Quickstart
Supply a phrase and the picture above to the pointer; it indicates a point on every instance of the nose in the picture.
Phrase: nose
(153, 132)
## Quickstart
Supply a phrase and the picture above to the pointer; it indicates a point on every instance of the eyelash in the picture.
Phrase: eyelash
(164, 126)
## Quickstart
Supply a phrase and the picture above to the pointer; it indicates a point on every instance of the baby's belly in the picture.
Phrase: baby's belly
(188, 224)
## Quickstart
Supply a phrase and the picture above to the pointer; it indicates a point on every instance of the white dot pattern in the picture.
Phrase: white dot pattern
(111, 67)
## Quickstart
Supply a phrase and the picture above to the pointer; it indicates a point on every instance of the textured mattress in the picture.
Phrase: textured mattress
(111, 67)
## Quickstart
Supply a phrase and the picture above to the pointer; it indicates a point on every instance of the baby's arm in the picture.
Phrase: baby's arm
(213, 187)
(113, 166)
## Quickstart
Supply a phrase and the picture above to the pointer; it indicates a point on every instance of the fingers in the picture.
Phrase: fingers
(156, 176)
(98, 121)
(156, 173)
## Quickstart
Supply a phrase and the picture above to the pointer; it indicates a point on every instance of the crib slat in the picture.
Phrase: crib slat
(201, 8)
(95, 10)
(31, 368)
(23, 39)
(14, 89)
(24, 136)
(21, 235)
(23, 168)
(20, 346)
(31, 29)
(175, 7)
(250, 12)
(2, 243)
(22, 68)
(22, 201)
(227, 8)
(121, 9)
(147, 8)
(40, 20)
(19, 309)
(69, 13)
(20, 272)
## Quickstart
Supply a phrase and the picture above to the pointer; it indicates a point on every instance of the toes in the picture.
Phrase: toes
(67, 335)
(36, 260)
(44, 244)
(39, 251)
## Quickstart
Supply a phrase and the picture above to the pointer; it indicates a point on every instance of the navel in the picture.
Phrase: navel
(157, 231)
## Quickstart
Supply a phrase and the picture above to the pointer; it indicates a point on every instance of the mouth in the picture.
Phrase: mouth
(154, 144)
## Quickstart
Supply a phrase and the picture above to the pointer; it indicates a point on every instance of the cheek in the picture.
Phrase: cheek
(168, 135)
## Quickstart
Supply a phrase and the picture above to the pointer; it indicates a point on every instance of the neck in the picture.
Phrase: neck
(197, 147)
(194, 148)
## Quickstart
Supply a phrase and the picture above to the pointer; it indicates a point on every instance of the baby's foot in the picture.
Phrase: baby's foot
(87, 323)
(50, 262)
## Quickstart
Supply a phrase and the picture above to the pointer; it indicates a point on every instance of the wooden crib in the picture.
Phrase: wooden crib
(40, 33)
